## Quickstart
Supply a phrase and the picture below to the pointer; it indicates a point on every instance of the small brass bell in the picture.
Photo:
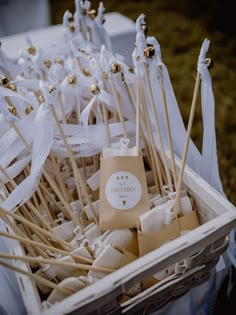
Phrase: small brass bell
(83, 11)
(59, 60)
(92, 14)
(209, 63)
(94, 89)
(41, 99)
(47, 63)
(149, 52)
(28, 109)
(51, 88)
(105, 75)
(130, 69)
(115, 68)
(71, 79)
(4, 81)
(12, 87)
(71, 27)
(86, 72)
(12, 110)
(31, 50)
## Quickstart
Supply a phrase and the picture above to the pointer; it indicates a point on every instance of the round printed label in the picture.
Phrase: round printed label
(123, 190)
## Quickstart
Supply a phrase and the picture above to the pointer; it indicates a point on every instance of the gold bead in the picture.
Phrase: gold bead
(71, 19)
(92, 14)
(137, 58)
(83, 11)
(130, 69)
(72, 27)
(115, 68)
(82, 50)
(86, 72)
(149, 52)
(94, 89)
(12, 87)
(28, 109)
(12, 110)
(105, 75)
(209, 63)
(4, 81)
(41, 99)
(47, 63)
(31, 50)
(59, 60)
(51, 88)
(144, 28)
(71, 79)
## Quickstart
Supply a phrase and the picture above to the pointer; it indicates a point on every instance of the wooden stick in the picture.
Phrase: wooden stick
(167, 121)
(78, 178)
(35, 227)
(107, 130)
(18, 232)
(147, 147)
(44, 246)
(118, 107)
(31, 206)
(37, 278)
(132, 102)
(151, 141)
(187, 139)
(157, 126)
(138, 120)
(58, 177)
(55, 262)
(45, 173)
(60, 208)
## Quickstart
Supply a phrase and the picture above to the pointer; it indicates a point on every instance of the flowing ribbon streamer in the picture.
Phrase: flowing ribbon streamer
(209, 164)
(43, 128)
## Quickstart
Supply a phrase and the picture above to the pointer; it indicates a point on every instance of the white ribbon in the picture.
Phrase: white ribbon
(209, 164)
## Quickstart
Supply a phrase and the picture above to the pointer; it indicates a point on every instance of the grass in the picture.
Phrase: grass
(180, 37)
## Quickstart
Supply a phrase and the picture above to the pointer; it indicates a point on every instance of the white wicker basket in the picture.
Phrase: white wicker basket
(200, 249)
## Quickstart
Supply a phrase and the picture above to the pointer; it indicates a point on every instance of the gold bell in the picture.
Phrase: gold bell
(130, 69)
(149, 52)
(144, 28)
(28, 109)
(59, 60)
(4, 81)
(12, 110)
(92, 14)
(209, 63)
(94, 89)
(12, 87)
(51, 88)
(105, 75)
(83, 11)
(82, 50)
(86, 72)
(72, 27)
(115, 68)
(47, 63)
(41, 99)
(31, 50)
(71, 79)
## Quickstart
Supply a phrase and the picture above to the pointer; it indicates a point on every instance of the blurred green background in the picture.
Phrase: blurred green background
(180, 28)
